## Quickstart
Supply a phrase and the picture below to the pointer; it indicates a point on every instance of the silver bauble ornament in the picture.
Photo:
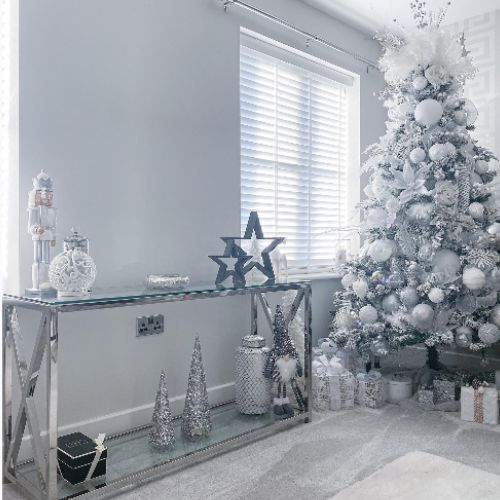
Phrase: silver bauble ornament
(360, 288)
(460, 117)
(436, 295)
(391, 303)
(494, 228)
(420, 212)
(428, 112)
(481, 166)
(422, 315)
(419, 82)
(446, 262)
(368, 314)
(463, 336)
(437, 152)
(347, 280)
(495, 315)
(489, 333)
(476, 210)
(474, 278)
(417, 155)
(381, 250)
(409, 296)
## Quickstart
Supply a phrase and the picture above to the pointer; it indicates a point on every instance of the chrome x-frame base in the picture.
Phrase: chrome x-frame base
(46, 346)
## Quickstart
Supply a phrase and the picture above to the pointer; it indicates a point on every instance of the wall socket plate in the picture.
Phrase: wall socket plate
(149, 325)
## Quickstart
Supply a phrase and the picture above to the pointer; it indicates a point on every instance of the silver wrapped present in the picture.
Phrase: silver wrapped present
(444, 390)
(321, 392)
(370, 390)
(253, 390)
(425, 398)
(342, 391)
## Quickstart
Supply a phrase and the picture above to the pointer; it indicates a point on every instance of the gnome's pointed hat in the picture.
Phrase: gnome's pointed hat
(283, 344)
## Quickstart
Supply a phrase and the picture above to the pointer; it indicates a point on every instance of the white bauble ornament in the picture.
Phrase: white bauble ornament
(417, 155)
(450, 148)
(489, 333)
(495, 315)
(463, 336)
(381, 250)
(494, 228)
(438, 152)
(422, 314)
(436, 295)
(474, 278)
(376, 217)
(428, 112)
(391, 303)
(419, 82)
(360, 288)
(409, 296)
(420, 212)
(476, 210)
(368, 314)
(481, 166)
(347, 280)
(446, 262)
(460, 117)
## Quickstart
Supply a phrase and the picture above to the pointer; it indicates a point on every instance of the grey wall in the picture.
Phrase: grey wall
(132, 107)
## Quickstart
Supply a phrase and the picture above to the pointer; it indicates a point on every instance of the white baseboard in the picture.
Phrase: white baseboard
(123, 420)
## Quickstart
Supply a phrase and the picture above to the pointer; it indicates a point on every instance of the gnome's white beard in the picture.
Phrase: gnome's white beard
(287, 368)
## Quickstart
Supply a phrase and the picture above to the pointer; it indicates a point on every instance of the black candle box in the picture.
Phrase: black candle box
(75, 454)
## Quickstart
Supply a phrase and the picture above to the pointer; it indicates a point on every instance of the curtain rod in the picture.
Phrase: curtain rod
(309, 36)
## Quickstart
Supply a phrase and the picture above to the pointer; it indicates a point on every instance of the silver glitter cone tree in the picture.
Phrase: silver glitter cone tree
(196, 421)
(162, 432)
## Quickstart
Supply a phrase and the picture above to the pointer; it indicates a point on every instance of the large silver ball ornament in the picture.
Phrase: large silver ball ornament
(347, 280)
(476, 210)
(409, 296)
(436, 295)
(474, 278)
(463, 336)
(489, 333)
(391, 303)
(428, 112)
(381, 250)
(446, 262)
(422, 315)
(495, 316)
(481, 166)
(419, 82)
(417, 155)
(368, 314)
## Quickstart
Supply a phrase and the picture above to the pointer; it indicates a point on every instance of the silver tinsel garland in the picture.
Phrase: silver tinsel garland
(196, 421)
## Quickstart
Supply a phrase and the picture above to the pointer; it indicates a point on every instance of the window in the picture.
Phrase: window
(299, 150)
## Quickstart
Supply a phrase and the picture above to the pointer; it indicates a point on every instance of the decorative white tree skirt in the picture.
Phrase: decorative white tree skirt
(422, 476)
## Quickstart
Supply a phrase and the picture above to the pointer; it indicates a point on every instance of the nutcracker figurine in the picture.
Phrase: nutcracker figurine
(42, 227)
(283, 366)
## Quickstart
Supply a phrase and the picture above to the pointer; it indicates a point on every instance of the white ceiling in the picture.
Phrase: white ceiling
(373, 15)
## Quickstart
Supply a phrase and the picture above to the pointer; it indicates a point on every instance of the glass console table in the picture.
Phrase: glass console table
(130, 459)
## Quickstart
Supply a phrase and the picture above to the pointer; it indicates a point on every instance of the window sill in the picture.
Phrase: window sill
(316, 275)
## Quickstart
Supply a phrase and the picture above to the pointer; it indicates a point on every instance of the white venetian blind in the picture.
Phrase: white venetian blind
(294, 151)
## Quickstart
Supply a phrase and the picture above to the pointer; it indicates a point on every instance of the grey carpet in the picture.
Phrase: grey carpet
(315, 461)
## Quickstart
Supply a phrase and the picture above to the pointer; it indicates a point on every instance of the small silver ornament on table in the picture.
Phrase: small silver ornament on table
(253, 390)
(162, 432)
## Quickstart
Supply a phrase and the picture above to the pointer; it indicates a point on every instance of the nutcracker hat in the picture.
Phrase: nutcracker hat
(283, 344)
(43, 181)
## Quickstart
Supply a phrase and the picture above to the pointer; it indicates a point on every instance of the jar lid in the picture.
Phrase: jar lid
(75, 240)
(253, 341)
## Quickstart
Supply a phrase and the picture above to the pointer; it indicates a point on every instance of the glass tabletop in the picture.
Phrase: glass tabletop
(127, 294)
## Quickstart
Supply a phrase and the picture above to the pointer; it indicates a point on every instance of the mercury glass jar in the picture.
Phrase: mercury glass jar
(253, 390)
(73, 272)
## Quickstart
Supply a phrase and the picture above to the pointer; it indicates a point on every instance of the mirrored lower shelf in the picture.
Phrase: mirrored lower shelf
(129, 453)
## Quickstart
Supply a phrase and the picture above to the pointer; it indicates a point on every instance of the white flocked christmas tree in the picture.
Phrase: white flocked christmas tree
(428, 269)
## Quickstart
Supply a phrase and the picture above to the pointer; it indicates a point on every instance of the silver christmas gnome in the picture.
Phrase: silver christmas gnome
(162, 432)
(196, 422)
(283, 367)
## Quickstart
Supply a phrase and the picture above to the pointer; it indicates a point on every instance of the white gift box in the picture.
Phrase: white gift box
(479, 405)
(320, 392)
(370, 390)
(399, 387)
(342, 389)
